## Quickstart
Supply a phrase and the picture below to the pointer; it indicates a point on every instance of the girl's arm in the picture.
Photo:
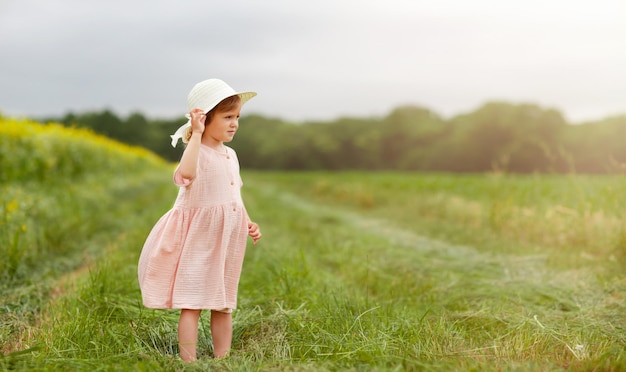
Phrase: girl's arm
(189, 161)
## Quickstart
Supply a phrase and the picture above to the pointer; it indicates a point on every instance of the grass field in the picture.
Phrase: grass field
(356, 271)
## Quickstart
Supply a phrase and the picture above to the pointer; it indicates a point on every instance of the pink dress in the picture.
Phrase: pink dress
(192, 258)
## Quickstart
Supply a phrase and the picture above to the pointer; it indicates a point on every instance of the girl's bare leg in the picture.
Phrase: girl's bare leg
(222, 332)
(188, 334)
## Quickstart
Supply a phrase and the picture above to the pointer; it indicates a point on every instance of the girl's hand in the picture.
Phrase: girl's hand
(254, 232)
(198, 118)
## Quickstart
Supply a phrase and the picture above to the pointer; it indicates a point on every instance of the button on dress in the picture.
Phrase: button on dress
(193, 256)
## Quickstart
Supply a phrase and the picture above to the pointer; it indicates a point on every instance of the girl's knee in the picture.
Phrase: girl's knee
(190, 312)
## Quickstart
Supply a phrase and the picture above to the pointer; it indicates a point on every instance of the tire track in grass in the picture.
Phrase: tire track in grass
(68, 282)
(527, 276)
(465, 271)
(519, 290)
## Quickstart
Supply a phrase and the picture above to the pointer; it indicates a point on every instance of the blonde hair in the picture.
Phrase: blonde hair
(226, 104)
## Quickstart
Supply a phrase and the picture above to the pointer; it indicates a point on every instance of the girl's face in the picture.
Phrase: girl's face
(223, 126)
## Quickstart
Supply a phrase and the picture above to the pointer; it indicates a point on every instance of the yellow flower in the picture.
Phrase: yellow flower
(11, 206)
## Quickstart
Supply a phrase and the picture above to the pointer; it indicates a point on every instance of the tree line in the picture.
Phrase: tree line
(498, 136)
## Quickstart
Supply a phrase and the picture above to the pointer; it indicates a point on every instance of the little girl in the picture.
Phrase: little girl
(192, 258)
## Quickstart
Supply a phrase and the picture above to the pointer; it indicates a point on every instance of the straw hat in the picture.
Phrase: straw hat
(206, 95)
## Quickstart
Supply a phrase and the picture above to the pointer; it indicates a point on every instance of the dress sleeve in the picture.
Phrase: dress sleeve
(179, 180)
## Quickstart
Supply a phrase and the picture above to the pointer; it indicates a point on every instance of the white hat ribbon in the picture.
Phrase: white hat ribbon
(180, 131)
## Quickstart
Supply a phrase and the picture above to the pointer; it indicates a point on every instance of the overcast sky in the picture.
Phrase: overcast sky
(313, 60)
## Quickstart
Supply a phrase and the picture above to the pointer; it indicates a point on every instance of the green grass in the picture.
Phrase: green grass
(356, 271)
(67, 195)
(458, 306)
